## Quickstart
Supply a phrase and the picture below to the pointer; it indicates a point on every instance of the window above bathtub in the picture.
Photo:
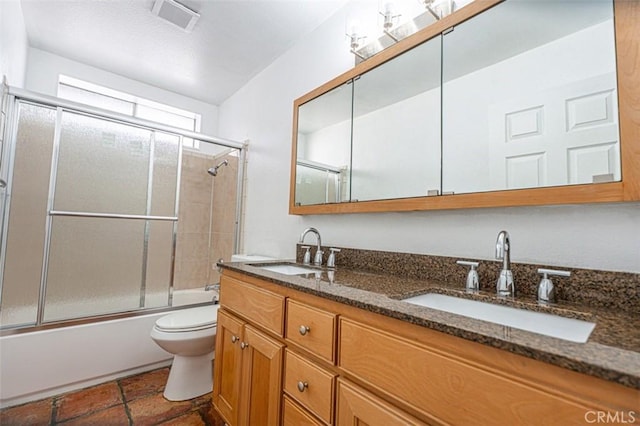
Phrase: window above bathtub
(124, 103)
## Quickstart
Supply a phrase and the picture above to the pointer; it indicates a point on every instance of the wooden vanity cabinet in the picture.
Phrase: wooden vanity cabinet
(248, 367)
(375, 370)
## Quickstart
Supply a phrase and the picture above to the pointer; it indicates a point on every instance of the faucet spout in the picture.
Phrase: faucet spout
(317, 260)
(505, 285)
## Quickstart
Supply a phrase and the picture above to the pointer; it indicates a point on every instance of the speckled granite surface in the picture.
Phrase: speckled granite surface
(611, 353)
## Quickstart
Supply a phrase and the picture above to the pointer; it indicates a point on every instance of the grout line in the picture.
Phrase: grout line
(54, 410)
(124, 402)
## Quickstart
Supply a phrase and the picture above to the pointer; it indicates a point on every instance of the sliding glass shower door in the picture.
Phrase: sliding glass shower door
(92, 217)
(113, 182)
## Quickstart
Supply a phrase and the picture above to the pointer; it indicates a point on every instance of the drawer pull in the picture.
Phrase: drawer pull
(244, 345)
(234, 339)
(304, 329)
(302, 386)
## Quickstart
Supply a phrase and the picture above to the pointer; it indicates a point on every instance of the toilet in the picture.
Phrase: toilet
(189, 335)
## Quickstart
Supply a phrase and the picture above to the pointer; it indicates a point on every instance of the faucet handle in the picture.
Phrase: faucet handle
(546, 290)
(473, 282)
(331, 262)
(556, 272)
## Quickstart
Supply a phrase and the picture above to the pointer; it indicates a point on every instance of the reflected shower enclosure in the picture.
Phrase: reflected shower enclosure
(104, 214)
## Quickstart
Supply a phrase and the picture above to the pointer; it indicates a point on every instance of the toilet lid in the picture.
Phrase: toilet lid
(189, 319)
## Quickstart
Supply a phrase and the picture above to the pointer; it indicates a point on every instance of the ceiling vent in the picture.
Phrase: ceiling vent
(176, 13)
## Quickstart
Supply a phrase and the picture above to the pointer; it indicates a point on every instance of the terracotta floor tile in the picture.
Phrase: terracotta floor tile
(201, 400)
(154, 409)
(87, 401)
(211, 416)
(144, 384)
(114, 416)
(32, 414)
(190, 419)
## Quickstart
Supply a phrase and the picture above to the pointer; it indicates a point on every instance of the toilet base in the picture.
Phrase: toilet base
(190, 376)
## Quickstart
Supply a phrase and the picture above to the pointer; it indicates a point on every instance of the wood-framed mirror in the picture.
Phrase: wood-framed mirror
(585, 100)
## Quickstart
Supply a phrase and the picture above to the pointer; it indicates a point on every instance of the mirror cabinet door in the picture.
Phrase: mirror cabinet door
(530, 97)
(323, 150)
(396, 127)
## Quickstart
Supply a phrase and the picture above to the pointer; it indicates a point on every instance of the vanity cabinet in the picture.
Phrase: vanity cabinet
(363, 367)
(248, 366)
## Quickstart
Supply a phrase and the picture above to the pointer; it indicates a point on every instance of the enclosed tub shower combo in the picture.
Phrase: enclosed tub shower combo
(107, 221)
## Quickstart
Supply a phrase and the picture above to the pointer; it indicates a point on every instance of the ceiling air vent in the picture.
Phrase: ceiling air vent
(176, 13)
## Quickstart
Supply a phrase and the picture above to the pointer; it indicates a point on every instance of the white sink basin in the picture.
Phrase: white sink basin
(550, 325)
(287, 269)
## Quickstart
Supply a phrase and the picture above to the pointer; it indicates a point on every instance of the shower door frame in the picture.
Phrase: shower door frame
(15, 97)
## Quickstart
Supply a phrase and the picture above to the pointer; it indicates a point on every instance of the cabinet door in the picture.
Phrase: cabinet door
(261, 379)
(227, 373)
(355, 406)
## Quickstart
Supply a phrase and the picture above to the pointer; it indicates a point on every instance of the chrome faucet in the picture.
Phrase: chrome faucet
(505, 285)
(317, 258)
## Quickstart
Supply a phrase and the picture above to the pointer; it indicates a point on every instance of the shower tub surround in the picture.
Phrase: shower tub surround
(375, 281)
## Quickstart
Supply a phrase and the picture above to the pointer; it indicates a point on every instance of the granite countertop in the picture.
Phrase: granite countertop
(612, 351)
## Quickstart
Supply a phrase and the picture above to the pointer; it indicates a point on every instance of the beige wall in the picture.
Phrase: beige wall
(206, 219)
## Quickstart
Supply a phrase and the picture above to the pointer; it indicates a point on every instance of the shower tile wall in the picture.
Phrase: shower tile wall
(206, 219)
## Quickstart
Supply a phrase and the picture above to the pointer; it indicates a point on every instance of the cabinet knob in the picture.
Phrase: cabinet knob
(244, 345)
(234, 339)
(304, 329)
(302, 386)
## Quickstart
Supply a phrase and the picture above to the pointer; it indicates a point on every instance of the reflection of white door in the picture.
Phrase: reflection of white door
(567, 135)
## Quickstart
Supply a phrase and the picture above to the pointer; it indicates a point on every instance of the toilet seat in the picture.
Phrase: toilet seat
(189, 320)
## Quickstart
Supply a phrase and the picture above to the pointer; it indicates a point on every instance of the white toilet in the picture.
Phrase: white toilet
(190, 335)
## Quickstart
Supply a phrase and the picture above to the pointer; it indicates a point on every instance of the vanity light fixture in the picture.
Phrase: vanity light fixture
(176, 14)
(440, 8)
(389, 19)
(355, 39)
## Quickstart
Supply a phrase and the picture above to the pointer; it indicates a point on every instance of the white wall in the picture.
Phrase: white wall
(44, 69)
(13, 43)
(590, 236)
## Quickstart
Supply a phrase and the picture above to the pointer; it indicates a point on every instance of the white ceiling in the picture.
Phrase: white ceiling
(232, 42)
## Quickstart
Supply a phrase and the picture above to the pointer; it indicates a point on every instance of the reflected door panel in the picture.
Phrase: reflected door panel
(537, 109)
(568, 135)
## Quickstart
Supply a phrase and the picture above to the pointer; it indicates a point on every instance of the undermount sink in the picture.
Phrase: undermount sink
(287, 269)
(538, 322)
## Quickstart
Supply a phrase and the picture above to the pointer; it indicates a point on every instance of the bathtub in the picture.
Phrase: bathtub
(39, 364)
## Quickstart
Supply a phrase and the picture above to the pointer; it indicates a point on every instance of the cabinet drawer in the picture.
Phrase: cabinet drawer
(310, 385)
(293, 415)
(311, 328)
(356, 406)
(431, 382)
(259, 306)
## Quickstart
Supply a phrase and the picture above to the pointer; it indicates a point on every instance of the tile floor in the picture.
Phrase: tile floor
(130, 401)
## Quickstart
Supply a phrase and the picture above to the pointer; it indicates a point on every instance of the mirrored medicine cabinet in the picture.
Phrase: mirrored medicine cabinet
(503, 103)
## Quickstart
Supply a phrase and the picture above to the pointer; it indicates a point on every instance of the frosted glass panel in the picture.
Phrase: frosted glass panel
(103, 166)
(165, 174)
(95, 267)
(26, 233)
(159, 264)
